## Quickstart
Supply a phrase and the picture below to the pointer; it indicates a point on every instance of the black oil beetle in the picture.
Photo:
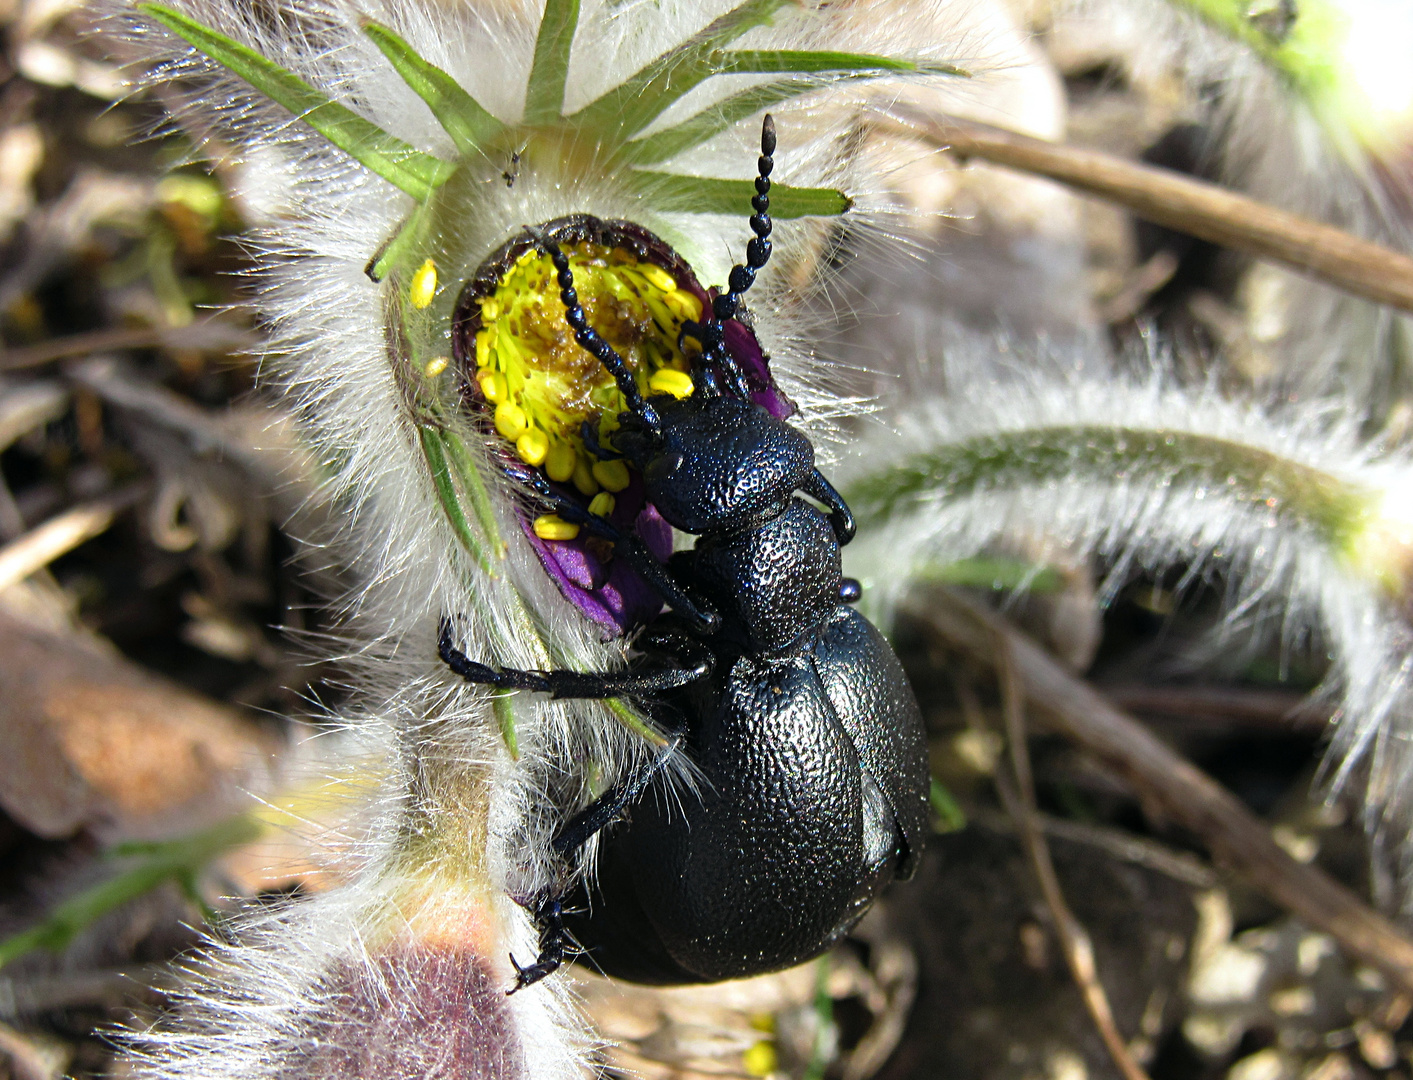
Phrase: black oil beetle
(805, 737)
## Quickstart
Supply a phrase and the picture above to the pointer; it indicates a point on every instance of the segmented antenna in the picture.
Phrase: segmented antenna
(710, 331)
(589, 339)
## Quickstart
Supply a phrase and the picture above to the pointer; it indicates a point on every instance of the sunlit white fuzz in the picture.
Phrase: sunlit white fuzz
(1306, 106)
(357, 982)
(1308, 526)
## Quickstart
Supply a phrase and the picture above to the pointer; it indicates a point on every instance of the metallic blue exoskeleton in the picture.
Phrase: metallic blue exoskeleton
(806, 738)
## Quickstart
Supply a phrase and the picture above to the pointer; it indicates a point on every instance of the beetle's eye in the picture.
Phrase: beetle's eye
(663, 466)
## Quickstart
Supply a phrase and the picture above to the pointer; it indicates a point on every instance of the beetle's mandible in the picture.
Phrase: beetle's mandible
(792, 707)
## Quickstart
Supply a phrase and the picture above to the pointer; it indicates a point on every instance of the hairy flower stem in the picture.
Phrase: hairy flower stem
(1337, 513)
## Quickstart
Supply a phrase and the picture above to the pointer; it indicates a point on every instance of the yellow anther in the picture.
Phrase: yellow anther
(669, 381)
(560, 462)
(490, 308)
(424, 285)
(483, 347)
(436, 366)
(658, 278)
(554, 527)
(602, 504)
(511, 421)
(611, 474)
(492, 384)
(763, 1021)
(684, 305)
(761, 1059)
(532, 446)
(583, 478)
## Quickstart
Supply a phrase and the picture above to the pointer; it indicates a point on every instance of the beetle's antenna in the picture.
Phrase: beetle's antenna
(711, 331)
(589, 339)
(758, 249)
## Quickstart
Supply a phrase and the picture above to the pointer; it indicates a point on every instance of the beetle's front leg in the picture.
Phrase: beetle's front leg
(840, 516)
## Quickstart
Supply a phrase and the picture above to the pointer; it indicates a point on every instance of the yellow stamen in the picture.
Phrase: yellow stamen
(492, 385)
(436, 366)
(560, 462)
(489, 310)
(484, 340)
(584, 478)
(760, 1059)
(611, 474)
(684, 305)
(424, 285)
(532, 446)
(602, 504)
(669, 381)
(511, 420)
(554, 527)
(658, 277)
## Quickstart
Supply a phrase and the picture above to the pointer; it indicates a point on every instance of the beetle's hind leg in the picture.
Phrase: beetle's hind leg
(574, 834)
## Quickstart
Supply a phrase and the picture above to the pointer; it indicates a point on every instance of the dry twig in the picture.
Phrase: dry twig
(212, 334)
(1074, 938)
(1235, 836)
(1204, 210)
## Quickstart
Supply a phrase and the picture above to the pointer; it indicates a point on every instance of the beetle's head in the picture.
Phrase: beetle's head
(715, 464)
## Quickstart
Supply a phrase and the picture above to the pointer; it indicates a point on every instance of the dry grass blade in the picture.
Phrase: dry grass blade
(1074, 939)
(214, 334)
(1204, 210)
(1234, 835)
(59, 535)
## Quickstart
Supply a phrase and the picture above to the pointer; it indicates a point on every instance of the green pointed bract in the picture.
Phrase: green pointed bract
(544, 94)
(667, 144)
(633, 104)
(470, 126)
(671, 193)
(415, 172)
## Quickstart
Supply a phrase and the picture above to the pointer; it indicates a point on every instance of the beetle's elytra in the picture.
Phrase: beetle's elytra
(791, 705)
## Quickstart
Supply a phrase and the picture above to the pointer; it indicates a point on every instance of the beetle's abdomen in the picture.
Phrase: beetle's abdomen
(767, 870)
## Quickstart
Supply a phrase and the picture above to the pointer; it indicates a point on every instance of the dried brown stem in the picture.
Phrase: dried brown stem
(1200, 209)
(1074, 938)
(1235, 836)
(36, 549)
(214, 334)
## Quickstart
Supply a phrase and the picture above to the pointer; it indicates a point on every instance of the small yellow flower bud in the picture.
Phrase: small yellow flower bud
(553, 527)
(602, 504)
(611, 474)
(424, 285)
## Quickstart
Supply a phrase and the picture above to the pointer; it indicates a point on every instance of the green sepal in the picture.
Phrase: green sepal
(415, 172)
(434, 452)
(673, 193)
(950, 816)
(470, 126)
(544, 94)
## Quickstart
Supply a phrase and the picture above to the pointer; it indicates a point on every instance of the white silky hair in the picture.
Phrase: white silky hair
(439, 754)
(1282, 576)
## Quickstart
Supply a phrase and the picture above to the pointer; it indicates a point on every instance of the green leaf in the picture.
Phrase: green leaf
(672, 193)
(470, 126)
(437, 464)
(544, 95)
(152, 864)
(632, 105)
(805, 62)
(950, 817)
(413, 171)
